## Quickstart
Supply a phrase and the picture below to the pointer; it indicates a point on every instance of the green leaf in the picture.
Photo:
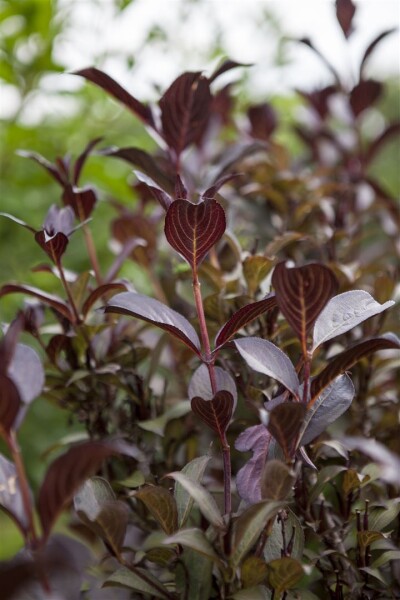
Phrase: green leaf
(158, 425)
(254, 571)
(202, 497)
(161, 505)
(284, 573)
(385, 557)
(137, 579)
(193, 576)
(196, 540)
(255, 269)
(379, 518)
(248, 528)
(194, 470)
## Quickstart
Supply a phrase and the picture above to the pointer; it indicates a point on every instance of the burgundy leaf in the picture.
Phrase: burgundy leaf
(372, 46)
(147, 164)
(80, 161)
(10, 494)
(53, 301)
(115, 90)
(345, 360)
(248, 479)
(162, 197)
(193, 229)
(212, 191)
(301, 294)
(200, 384)
(227, 65)
(263, 120)
(319, 99)
(243, 317)
(82, 201)
(66, 474)
(130, 226)
(180, 189)
(155, 312)
(99, 292)
(345, 11)
(54, 246)
(285, 421)
(364, 94)
(43, 162)
(10, 403)
(215, 413)
(185, 109)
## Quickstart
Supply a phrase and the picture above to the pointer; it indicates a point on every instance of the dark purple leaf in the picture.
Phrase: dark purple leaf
(162, 197)
(115, 90)
(319, 99)
(26, 371)
(200, 384)
(180, 189)
(364, 94)
(10, 494)
(227, 65)
(333, 401)
(157, 313)
(9, 342)
(80, 161)
(285, 421)
(345, 360)
(99, 292)
(266, 358)
(345, 11)
(146, 163)
(43, 162)
(185, 109)
(277, 480)
(243, 317)
(130, 226)
(263, 121)
(10, 403)
(193, 229)
(371, 47)
(66, 474)
(54, 245)
(374, 147)
(53, 301)
(248, 479)
(18, 221)
(212, 191)
(215, 413)
(82, 201)
(301, 294)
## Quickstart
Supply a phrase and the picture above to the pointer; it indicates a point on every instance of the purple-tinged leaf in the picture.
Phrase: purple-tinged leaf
(371, 47)
(194, 470)
(264, 357)
(99, 292)
(343, 312)
(81, 200)
(53, 301)
(345, 11)
(364, 94)
(301, 294)
(243, 317)
(125, 252)
(216, 413)
(333, 401)
(200, 384)
(375, 146)
(54, 245)
(193, 229)
(80, 161)
(10, 403)
(248, 479)
(227, 65)
(162, 197)
(43, 162)
(157, 313)
(185, 109)
(59, 220)
(66, 474)
(26, 371)
(345, 360)
(263, 121)
(128, 226)
(389, 462)
(180, 189)
(213, 190)
(319, 99)
(162, 506)
(285, 421)
(277, 480)
(18, 221)
(115, 90)
(9, 342)
(10, 494)
(146, 163)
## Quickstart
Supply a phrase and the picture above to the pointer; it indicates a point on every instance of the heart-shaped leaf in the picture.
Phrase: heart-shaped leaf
(343, 361)
(200, 384)
(53, 301)
(301, 294)
(155, 312)
(161, 504)
(285, 421)
(248, 479)
(193, 229)
(243, 317)
(185, 109)
(215, 413)
(265, 357)
(10, 403)
(10, 494)
(54, 245)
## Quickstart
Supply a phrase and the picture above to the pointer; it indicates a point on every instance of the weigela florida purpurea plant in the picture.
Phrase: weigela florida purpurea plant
(165, 504)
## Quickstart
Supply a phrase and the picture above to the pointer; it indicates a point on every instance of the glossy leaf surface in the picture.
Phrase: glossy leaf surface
(256, 439)
(53, 301)
(161, 505)
(285, 421)
(215, 413)
(200, 384)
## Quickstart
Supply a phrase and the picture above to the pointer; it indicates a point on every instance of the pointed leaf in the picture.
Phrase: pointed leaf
(10, 494)
(243, 317)
(157, 313)
(140, 580)
(193, 229)
(248, 528)
(196, 540)
(43, 162)
(10, 403)
(202, 497)
(185, 109)
(113, 88)
(276, 481)
(333, 401)
(371, 47)
(389, 462)
(200, 384)
(391, 131)
(284, 573)
(343, 361)
(99, 292)
(53, 301)
(63, 478)
(212, 191)
(26, 371)
(161, 504)
(285, 421)
(54, 246)
(248, 479)
(18, 221)
(345, 11)
(266, 358)
(343, 312)
(194, 470)
(227, 65)
(81, 200)
(364, 94)
(301, 294)
(215, 413)
(82, 158)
